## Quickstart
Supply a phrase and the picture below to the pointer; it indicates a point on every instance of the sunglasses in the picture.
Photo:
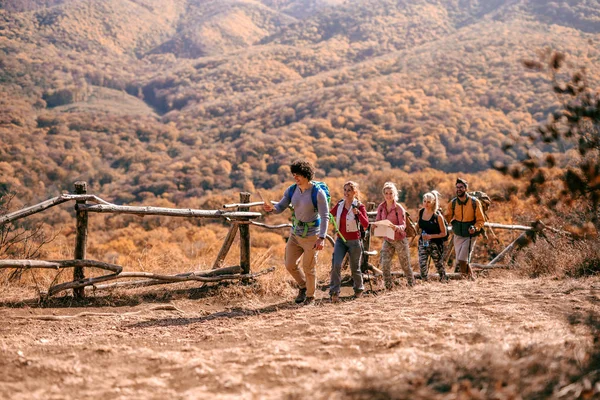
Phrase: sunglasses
(427, 201)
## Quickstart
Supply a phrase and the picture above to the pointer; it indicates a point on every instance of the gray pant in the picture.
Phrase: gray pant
(463, 246)
(354, 250)
(387, 252)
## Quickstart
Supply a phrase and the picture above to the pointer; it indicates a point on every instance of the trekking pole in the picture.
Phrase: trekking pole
(362, 249)
(469, 257)
(369, 278)
(469, 254)
(362, 253)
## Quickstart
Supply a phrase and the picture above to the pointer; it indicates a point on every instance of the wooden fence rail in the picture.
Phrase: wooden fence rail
(25, 212)
(171, 212)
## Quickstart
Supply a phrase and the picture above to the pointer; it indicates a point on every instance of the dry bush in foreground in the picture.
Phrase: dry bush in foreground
(560, 257)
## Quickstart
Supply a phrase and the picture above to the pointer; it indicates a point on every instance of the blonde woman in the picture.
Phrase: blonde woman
(391, 210)
(433, 234)
(350, 214)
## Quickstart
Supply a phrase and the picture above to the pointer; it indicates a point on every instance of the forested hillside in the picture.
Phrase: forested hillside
(182, 98)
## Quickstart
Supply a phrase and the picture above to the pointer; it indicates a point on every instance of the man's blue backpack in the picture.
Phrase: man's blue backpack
(315, 190)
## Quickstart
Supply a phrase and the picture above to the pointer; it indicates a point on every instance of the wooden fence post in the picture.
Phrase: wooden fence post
(233, 229)
(244, 237)
(81, 238)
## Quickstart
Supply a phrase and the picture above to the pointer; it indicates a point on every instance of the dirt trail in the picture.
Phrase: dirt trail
(273, 349)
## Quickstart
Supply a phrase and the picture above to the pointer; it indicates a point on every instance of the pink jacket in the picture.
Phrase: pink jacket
(397, 217)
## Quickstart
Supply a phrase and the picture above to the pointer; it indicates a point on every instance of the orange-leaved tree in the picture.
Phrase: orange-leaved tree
(575, 125)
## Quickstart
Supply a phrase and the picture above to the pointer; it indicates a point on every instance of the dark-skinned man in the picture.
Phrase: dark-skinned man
(466, 217)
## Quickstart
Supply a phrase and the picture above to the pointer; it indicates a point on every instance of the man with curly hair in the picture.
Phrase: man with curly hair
(309, 228)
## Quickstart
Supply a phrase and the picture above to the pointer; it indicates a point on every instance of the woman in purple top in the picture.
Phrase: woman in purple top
(391, 210)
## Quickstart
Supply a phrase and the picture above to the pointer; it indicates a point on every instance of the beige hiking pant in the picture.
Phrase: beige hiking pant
(463, 246)
(306, 277)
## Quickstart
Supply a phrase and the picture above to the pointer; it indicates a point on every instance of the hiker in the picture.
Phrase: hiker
(466, 217)
(433, 234)
(309, 228)
(350, 215)
(394, 212)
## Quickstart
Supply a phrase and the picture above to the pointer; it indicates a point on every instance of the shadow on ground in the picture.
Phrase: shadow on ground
(119, 299)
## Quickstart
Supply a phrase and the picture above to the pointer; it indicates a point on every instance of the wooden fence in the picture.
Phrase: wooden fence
(86, 203)
(240, 221)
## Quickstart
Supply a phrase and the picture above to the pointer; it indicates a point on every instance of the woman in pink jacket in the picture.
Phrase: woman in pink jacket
(391, 210)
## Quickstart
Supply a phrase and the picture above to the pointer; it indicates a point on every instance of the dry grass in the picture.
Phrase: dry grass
(560, 257)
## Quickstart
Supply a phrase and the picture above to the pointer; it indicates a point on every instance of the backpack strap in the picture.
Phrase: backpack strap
(453, 208)
(406, 216)
(421, 211)
(314, 192)
(334, 223)
(361, 230)
(440, 215)
(445, 223)
(291, 190)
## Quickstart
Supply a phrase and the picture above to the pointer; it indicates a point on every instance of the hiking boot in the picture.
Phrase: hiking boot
(444, 279)
(335, 298)
(389, 284)
(308, 301)
(301, 296)
(358, 294)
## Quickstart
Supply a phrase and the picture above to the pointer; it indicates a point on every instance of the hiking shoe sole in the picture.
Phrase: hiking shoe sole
(301, 298)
